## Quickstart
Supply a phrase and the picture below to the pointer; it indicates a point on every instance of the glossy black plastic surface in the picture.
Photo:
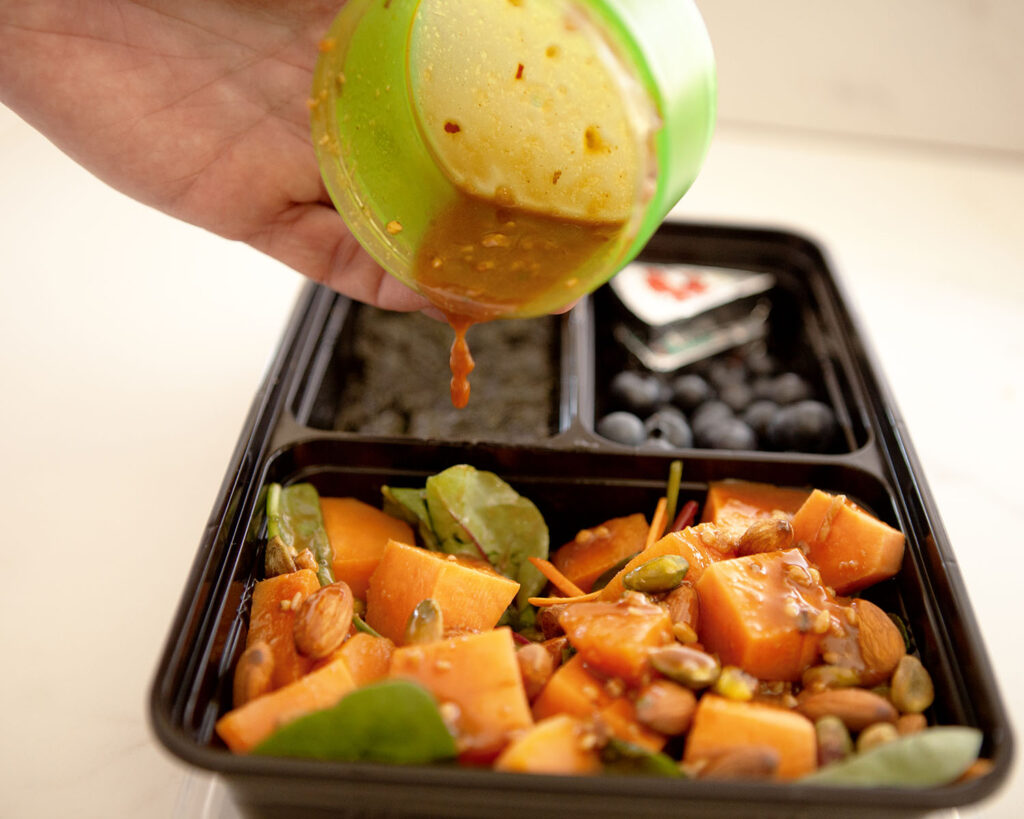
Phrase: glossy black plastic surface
(569, 472)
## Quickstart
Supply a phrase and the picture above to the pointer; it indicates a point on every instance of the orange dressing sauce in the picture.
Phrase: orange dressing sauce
(460, 361)
(480, 260)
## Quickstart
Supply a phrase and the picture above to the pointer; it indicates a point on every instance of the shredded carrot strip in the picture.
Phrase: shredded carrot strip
(657, 524)
(558, 580)
(558, 601)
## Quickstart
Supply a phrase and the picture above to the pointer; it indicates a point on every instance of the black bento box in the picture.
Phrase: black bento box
(301, 428)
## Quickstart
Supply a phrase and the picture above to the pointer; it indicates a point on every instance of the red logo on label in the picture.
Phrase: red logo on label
(689, 285)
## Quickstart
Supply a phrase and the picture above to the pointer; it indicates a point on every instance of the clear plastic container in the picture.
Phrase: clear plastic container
(505, 157)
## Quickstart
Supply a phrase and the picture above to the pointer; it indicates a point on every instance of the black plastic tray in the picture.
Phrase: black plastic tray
(575, 477)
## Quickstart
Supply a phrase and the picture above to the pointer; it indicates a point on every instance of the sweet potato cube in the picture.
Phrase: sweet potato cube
(358, 534)
(479, 674)
(596, 550)
(471, 595)
(733, 505)
(247, 726)
(272, 619)
(851, 548)
(574, 690)
(556, 745)
(763, 613)
(720, 725)
(368, 657)
(613, 638)
(698, 544)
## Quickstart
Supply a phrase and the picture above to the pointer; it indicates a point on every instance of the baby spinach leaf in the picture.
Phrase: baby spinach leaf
(294, 516)
(410, 505)
(391, 721)
(934, 756)
(471, 512)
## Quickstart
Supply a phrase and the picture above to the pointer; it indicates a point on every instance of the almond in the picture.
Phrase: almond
(323, 620)
(856, 707)
(666, 707)
(742, 762)
(536, 665)
(683, 606)
(547, 621)
(880, 642)
(253, 674)
(766, 535)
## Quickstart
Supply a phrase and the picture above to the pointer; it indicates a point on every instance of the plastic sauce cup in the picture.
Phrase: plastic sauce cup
(506, 157)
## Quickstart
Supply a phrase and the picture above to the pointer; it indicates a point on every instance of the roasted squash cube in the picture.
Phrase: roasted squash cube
(573, 689)
(720, 725)
(764, 613)
(556, 745)
(471, 595)
(613, 638)
(358, 534)
(851, 548)
(596, 550)
(479, 675)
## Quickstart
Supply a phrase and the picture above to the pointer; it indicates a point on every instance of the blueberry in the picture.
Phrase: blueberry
(707, 415)
(640, 393)
(738, 396)
(727, 371)
(712, 410)
(763, 387)
(726, 433)
(759, 416)
(806, 426)
(789, 388)
(623, 428)
(689, 391)
(759, 361)
(669, 425)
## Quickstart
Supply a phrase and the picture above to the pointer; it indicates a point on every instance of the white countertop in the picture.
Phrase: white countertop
(133, 345)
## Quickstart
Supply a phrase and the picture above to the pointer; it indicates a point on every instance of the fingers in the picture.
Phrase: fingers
(313, 239)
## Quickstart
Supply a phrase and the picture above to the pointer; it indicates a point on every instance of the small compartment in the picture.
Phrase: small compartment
(383, 373)
(757, 373)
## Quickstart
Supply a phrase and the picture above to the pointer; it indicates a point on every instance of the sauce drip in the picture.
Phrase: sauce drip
(460, 361)
(480, 260)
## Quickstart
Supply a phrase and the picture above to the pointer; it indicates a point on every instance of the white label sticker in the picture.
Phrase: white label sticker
(660, 294)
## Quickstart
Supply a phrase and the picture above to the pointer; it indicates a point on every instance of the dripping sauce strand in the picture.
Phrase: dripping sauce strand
(480, 260)
(460, 361)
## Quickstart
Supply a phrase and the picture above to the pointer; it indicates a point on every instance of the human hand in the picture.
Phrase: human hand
(198, 108)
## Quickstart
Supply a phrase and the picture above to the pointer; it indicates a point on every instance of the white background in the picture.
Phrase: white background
(133, 345)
